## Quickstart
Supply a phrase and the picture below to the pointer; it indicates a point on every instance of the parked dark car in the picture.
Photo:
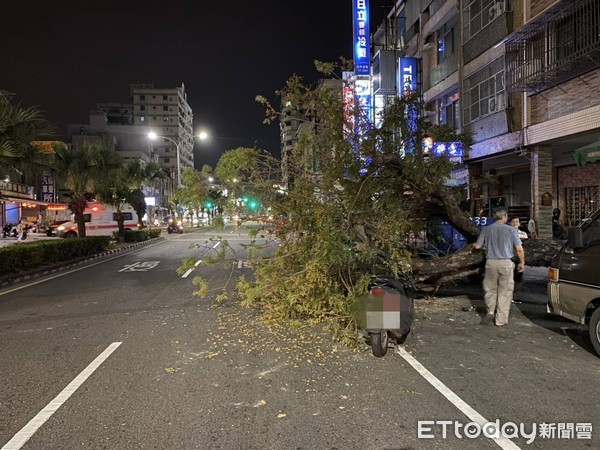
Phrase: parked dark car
(574, 287)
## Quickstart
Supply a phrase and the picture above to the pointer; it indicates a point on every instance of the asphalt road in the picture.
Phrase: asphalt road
(179, 372)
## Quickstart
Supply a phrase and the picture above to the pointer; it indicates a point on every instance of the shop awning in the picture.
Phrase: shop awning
(23, 200)
(588, 153)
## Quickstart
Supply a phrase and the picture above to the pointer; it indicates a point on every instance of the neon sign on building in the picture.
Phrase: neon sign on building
(362, 44)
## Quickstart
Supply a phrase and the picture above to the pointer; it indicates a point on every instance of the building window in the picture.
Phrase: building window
(142, 108)
(142, 118)
(575, 33)
(142, 98)
(165, 108)
(580, 203)
(165, 97)
(165, 119)
(449, 111)
(167, 160)
(445, 42)
(478, 14)
(484, 92)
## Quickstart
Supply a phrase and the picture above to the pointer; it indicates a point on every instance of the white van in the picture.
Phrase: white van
(100, 220)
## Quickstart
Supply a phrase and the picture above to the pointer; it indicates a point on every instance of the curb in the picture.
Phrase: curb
(59, 267)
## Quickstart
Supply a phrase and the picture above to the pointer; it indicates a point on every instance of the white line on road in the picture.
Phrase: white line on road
(34, 424)
(87, 266)
(240, 263)
(473, 415)
(185, 275)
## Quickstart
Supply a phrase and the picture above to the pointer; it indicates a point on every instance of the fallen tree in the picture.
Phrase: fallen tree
(352, 194)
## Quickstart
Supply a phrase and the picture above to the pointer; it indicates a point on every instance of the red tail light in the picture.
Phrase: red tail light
(377, 291)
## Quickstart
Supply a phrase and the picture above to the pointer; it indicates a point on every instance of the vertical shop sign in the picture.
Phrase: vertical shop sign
(47, 189)
(362, 44)
(407, 82)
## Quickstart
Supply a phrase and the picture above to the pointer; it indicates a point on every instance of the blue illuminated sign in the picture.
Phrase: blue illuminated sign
(452, 150)
(407, 75)
(407, 84)
(362, 46)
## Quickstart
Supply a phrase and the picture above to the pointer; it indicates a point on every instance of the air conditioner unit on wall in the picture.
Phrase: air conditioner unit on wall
(500, 101)
(497, 8)
(496, 103)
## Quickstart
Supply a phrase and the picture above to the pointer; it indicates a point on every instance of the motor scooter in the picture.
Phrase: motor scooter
(174, 227)
(389, 312)
(9, 230)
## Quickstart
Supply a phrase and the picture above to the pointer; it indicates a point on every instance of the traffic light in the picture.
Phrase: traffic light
(253, 204)
(208, 204)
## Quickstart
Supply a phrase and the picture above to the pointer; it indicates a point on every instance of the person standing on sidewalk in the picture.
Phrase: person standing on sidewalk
(518, 274)
(21, 229)
(500, 243)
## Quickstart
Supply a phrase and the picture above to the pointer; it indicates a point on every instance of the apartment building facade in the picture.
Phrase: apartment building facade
(166, 112)
(523, 78)
(293, 124)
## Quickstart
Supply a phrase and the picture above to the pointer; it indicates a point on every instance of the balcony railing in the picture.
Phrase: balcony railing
(560, 44)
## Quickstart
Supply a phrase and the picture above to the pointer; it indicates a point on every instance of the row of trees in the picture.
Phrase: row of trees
(89, 171)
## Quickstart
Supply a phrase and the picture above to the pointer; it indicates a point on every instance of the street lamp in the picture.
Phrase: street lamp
(152, 135)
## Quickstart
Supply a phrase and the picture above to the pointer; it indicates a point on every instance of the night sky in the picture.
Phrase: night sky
(65, 56)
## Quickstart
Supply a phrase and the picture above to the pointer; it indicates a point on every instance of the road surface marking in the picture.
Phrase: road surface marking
(140, 266)
(34, 424)
(240, 262)
(62, 274)
(473, 415)
(187, 273)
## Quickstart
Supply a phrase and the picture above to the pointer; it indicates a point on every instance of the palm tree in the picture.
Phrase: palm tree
(77, 170)
(140, 174)
(31, 163)
(113, 185)
(19, 128)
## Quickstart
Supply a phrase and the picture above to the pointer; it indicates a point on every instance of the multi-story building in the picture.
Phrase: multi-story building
(117, 113)
(294, 123)
(129, 141)
(523, 77)
(167, 112)
(289, 124)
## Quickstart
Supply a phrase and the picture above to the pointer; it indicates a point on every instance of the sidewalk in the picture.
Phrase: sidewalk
(30, 237)
(531, 290)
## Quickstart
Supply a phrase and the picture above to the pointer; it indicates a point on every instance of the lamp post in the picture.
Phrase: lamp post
(203, 135)
(152, 135)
